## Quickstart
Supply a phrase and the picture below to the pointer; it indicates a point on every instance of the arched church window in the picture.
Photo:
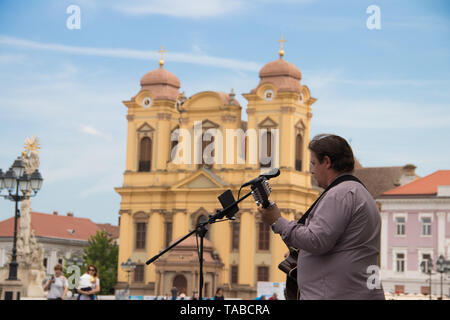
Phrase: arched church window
(140, 220)
(145, 156)
(208, 144)
(266, 152)
(141, 228)
(207, 153)
(298, 152)
(168, 232)
(235, 231)
(174, 140)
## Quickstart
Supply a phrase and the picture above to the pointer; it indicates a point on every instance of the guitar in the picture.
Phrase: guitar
(261, 191)
(289, 266)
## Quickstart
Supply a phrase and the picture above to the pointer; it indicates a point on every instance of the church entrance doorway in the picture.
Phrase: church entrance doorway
(180, 283)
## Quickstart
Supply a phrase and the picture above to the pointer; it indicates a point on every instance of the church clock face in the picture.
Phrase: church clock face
(268, 95)
(146, 102)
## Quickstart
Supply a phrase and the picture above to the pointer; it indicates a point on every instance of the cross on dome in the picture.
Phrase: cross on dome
(281, 52)
(161, 62)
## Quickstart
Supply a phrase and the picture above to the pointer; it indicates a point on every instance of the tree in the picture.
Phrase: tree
(103, 253)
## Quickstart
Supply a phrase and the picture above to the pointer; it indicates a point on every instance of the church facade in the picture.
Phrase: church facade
(182, 153)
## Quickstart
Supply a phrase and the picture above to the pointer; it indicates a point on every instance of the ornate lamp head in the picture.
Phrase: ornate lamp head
(36, 181)
(9, 179)
(24, 183)
(18, 167)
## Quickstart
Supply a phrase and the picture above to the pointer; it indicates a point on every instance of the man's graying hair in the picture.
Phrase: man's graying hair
(336, 148)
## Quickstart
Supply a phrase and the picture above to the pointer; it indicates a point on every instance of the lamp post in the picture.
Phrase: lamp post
(426, 267)
(441, 267)
(128, 267)
(15, 180)
(74, 264)
(75, 260)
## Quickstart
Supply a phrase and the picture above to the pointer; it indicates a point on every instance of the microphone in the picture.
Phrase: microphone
(275, 172)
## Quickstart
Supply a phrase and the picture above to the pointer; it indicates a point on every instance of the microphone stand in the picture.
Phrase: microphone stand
(201, 230)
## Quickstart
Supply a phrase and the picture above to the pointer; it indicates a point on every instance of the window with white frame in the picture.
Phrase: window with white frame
(400, 226)
(400, 262)
(426, 226)
(425, 262)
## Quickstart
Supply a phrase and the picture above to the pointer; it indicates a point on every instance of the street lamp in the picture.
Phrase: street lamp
(16, 178)
(75, 260)
(128, 267)
(441, 267)
(74, 264)
(426, 267)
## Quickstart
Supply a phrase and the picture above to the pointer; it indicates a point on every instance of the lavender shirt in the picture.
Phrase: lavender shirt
(338, 243)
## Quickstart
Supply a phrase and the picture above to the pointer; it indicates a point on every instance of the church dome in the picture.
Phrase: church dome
(161, 83)
(280, 67)
(284, 75)
(160, 76)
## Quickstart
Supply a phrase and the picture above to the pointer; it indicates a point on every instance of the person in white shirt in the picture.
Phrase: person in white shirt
(57, 285)
(89, 284)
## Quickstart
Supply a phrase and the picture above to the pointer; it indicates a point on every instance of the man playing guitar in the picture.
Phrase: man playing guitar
(337, 241)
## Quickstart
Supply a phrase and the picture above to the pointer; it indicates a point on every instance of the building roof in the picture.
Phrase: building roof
(280, 67)
(55, 226)
(113, 231)
(284, 75)
(381, 179)
(162, 84)
(160, 76)
(227, 98)
(424, 186)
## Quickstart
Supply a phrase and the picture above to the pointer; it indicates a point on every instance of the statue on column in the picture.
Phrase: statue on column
(30, 255)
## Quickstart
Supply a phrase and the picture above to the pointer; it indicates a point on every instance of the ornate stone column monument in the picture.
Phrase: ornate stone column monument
(30, 255)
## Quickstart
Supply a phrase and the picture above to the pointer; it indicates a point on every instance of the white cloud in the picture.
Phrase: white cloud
(181, 8)
(90, 130)
(93, 131)
(192, 9)
(200, 59)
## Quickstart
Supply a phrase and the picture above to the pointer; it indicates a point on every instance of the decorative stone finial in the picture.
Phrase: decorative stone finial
(231, 96)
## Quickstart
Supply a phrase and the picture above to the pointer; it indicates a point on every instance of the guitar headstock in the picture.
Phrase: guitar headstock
(261, 191)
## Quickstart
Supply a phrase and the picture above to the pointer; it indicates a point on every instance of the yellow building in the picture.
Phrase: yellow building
(169, 187)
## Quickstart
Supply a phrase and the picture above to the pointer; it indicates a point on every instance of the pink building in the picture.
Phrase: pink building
(415, 227)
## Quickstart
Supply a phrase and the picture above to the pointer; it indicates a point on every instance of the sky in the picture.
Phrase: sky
(384, 89)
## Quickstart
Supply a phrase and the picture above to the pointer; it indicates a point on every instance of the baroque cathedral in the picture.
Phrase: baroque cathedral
(163, 198)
